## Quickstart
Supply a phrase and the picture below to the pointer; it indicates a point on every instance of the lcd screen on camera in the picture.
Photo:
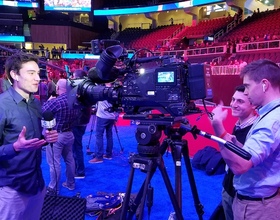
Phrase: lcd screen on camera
(166, 77)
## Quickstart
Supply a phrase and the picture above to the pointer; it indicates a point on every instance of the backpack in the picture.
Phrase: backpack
(210, 160)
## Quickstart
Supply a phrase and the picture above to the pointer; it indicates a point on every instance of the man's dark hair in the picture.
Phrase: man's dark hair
(240, 88)
(15, 61)
(262, 69)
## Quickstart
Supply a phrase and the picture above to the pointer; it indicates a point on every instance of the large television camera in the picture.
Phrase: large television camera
(169, 88)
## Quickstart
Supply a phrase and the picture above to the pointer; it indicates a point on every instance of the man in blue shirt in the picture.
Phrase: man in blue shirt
(22, 188)
(257, 180)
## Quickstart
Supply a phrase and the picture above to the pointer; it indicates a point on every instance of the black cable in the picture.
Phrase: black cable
(56, 183)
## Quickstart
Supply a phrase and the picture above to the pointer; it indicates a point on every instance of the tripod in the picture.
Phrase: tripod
(89, 152)
(149, 158)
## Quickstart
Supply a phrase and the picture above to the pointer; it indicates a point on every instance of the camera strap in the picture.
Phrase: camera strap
(269, 112)
(249, 133)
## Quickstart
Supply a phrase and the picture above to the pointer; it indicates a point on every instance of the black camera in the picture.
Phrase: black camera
(169, 88)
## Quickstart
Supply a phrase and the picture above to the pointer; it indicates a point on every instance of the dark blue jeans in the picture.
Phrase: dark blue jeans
(78, 153)
(103, 124)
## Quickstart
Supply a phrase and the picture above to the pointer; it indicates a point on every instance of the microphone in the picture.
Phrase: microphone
(48, 121)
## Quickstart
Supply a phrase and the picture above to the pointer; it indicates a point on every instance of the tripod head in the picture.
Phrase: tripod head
(149, 130)
(150, 127)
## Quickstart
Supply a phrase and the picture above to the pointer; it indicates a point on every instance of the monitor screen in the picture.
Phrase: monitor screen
(67, 5)
(20, 3)
(166, 77)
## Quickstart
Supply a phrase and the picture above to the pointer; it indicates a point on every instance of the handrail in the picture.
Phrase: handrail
(204, 51)
(228, 69)
(211, 50)
(258, 45)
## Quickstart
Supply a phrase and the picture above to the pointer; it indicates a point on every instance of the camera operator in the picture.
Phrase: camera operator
(104, 121)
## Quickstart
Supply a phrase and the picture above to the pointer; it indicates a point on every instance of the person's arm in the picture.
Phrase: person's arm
(237, 164)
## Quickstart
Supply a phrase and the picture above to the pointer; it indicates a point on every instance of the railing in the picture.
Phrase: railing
(228, 69)
(173, 35)
(229, 27)
(215, 50)
(260, 45)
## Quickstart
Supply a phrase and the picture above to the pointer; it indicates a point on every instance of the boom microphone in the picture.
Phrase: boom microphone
(48, 121)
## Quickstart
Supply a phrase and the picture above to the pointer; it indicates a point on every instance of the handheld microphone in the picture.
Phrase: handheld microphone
(48, 121)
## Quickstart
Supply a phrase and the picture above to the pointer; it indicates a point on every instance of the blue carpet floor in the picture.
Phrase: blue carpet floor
(112, 176)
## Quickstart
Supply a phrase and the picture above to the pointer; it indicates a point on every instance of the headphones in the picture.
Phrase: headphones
(16, 77)
(263, 86)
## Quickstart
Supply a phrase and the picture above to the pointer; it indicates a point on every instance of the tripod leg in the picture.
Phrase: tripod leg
(127, 195)
(198, 205)
(139, 200)
(91, 130)
(170, 189)
(117, 133)
(149, 166)
(177, 157)
(146, 184)
(140, 194)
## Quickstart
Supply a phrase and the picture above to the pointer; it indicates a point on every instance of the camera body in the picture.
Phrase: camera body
(166, 89)
(169, 88)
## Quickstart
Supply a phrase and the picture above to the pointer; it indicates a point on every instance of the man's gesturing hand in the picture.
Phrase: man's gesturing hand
(22, 144)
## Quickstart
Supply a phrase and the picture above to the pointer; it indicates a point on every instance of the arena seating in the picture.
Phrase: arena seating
(204, 28)
(158, 36)
(257, 25)
(129, 35)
